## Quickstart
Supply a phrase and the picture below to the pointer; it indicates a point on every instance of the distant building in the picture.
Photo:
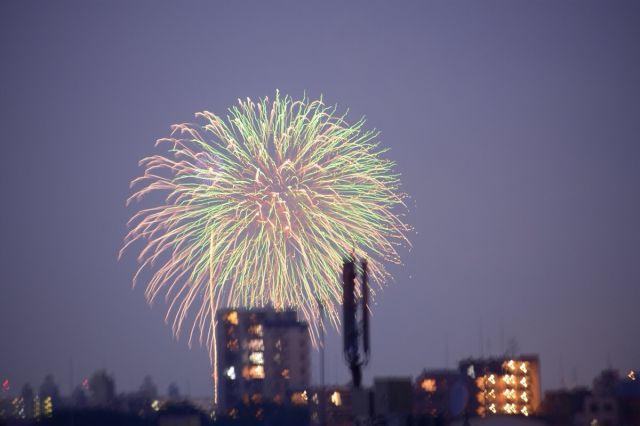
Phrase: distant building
(49, 396)
(393, 400)
(560, 407)
(506, 386)
(26, 406)
(501, 420)
(181, 414)
(599, 410)
(628, 392)
(338, 410)
(440, 394)
(263, 357)
(601, 405)
(613, 400)
(203, 404)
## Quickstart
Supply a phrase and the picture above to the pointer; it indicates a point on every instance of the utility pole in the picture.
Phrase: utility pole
(323, 392)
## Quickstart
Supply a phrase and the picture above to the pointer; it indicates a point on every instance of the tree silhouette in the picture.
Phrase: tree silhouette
(173, 391)
(102, 388)
(148, 389)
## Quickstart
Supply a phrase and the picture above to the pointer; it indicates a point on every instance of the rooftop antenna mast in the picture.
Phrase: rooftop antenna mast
(354, 330)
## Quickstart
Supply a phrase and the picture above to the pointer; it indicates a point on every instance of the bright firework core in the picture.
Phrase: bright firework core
(261, 207)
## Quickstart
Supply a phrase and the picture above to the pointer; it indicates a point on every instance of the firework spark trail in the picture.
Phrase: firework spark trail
(260, 209)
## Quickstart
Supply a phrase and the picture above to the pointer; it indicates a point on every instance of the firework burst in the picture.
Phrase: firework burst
(260, 208)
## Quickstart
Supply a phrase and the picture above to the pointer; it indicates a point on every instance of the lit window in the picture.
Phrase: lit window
(232, 345)
(256, 330)
(285, 373)
(48, 406)
(336, 399)
(256, 358)
(510, 408)
(471, 372)
(429, 385)
(253, 372)
(256, 345)
(509, 379)
(232, 317)
(230, 372)
(299, 398)
(523, 367)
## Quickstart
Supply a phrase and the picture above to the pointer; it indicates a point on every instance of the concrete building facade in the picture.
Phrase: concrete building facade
(263, 357)
(504, 386)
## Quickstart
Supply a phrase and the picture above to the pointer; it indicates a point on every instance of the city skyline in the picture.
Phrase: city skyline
(513, 126)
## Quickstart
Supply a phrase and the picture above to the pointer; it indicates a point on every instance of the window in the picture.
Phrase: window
(253, 372)
(256, 345)
(232, 318)
(429, 385)
(299, 398)
(336, 399)
(256, 358)
(256, 330)
(230, 373)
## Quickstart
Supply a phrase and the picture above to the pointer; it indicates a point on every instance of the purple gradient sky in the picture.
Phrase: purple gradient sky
(515, 126)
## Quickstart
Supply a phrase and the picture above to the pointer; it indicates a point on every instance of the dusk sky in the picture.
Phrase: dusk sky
(514, 125)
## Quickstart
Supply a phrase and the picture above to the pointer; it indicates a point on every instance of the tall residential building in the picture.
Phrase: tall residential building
(263, 356)
(505, 385)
